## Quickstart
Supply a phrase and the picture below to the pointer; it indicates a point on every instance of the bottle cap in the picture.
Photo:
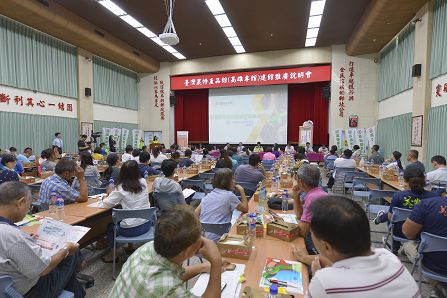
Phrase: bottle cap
(273, 289)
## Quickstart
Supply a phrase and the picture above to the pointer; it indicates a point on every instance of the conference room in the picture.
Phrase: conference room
(217, 148)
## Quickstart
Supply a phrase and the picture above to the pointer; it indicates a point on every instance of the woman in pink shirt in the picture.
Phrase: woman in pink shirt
(268, 155)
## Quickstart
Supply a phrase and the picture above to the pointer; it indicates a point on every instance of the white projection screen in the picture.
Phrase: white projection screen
(248, 115)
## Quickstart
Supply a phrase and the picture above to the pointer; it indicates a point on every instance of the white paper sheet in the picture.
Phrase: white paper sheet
(229, 278)
(188, 192)
(289, 218)
(98, 204)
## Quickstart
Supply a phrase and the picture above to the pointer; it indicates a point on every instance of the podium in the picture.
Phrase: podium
(152, 146)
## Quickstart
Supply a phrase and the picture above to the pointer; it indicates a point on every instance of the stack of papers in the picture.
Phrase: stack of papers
(231, 287)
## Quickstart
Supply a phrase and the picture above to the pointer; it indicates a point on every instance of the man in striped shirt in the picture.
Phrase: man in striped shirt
(341, 233)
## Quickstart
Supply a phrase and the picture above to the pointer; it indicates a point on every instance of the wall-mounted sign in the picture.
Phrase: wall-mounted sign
(353, 121)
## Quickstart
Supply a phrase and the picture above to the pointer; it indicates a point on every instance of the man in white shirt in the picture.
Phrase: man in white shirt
(309, 148)
(438, 163)
(357, 269)
(128, 154)
(58, 140)
(289, 149)
(342, 162)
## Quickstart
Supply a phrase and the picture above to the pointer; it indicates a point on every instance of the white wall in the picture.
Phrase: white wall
(438, 101)
(114, 114)
(399, 104)
(148, 115)
(365, 104)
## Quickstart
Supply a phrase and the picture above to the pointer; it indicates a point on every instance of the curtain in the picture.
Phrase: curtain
(436, 142)
(191, 114)
(394, 134)
(306, 102)
(98, 125)
(396, 61)
(36, 131)
(114, 85)
(438, 64)
(33, 60)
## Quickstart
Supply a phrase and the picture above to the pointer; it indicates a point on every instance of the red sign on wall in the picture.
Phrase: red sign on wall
(253, 78)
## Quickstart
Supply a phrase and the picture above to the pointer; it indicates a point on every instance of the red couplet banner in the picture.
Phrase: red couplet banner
(253, 78)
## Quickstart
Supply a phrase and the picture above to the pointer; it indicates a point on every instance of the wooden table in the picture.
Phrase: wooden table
(265, 247)
(391, 183)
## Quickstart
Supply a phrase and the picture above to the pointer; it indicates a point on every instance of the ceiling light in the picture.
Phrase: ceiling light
(131, 21)
(239, 49)
(147, 32)
(317, 7)
(215, 7)
(223, 20)
(170, 49)
(310, 42)
(229, 31)
(314, 21)
(115, 9)
(158, 41)
(312, 32)
(235, 41)
(179, 56)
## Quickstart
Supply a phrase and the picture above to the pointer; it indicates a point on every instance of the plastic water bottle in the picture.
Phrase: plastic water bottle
(111, 185)
(146, 174)
(184, 170)
(273, 183)
(278, 182)
(252, 228)
(285, 202)
(60, 208)
(362, 162)
(273, 291)
(52, 203)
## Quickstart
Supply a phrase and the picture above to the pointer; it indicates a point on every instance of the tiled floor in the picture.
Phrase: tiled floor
(103, 272)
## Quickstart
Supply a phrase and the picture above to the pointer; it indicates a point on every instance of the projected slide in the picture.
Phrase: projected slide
(248, 114)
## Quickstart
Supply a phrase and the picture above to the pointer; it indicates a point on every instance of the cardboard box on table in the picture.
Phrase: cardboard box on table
(242, 226)
(280, 229)
(234, 246)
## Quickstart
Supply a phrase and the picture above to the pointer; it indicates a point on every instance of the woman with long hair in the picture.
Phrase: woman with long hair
(224, 160)
(90, 170)
(132, 193)
(395, 161)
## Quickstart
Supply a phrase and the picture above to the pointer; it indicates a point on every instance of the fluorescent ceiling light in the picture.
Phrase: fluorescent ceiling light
(235, 41)
(310, 42)
(215, 7)
(229, 31)
(158, 41)
(239, 49)
(312, 32)
(115, 9)
(170, 49)
(179, 56)
(314, 21)
(147, 32)
(131, 21)
(317, 7)
(223, 20)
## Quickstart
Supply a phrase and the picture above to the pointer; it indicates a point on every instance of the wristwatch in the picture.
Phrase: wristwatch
(67, 252)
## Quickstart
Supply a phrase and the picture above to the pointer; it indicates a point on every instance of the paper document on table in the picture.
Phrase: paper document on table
(230, 283)
(98, 204)
(52, 235)
(97, 196)
(287, 274)
(188, 192)
(289, 218)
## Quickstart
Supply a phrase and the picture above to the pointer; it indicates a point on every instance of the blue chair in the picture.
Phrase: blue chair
(7, 291)
(375, 194)
(249, 187)
(119, 214)
(165, 201)
(361, 187)
(429, 243)
(339, 179)
(208, 177)
(399, 215)
(349, 176)
(218, 229)
(199, 195)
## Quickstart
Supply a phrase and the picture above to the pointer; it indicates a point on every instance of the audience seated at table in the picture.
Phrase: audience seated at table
(224, 161)
(7, 166)
(167, 184)
(89, 170)
(308, 148)
(97, 154)
(127, 155)
(157, 156)
(186, 161)
(357, 153)
(136, 155)
(300, 159)
(329, 159)
(395, 161)
(50, 161)
(375, 157)
(19, 167)
(357, 269)
(342, 162)
(308, 181)
(57, 151)
(234, 161)
(245, 152)
(253, 172)
(407, 199)
(258, 148)
(268, 155)
(289, 149)
(144, 167)
(103, 149)
(217, 207)
(430, 216)
(276, 151)
(27, 156)
(113, 170)
(60, 183)
(227, 146)
(412, 158)
(205, 154)
(34, 273)
(240, 147)
(438, 163)
(323, 149)
(132, 193)
(235, 156)
(156, 269)
(176, 157)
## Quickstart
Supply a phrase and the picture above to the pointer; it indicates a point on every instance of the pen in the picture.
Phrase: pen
(283, 283)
